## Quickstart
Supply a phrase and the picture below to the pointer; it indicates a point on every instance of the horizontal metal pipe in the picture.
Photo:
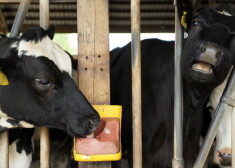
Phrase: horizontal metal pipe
(220, 110)
(112, 22)
(18, 1)
(112, 7)
(114, 15)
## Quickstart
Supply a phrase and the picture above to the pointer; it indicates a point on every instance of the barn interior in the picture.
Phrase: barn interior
(156, 15)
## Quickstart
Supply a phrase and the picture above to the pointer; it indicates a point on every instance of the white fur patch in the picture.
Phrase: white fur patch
(14, 45)
(3, 122)
(224, 13)
(19, 160)
(46, 47)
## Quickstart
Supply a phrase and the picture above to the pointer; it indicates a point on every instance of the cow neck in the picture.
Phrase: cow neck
(194, 99)
(3, 79)
(195, 96)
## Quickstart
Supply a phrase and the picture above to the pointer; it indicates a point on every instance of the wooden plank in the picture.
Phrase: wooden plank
(93, 57)
(44, 132)
(93, 51)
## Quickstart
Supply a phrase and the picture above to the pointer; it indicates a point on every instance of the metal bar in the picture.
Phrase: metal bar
(233, 138)
(178, 161)
(229, 89)
(136, 84)
(44, 132)
(19, 18)
(4, 156)
(15, 31)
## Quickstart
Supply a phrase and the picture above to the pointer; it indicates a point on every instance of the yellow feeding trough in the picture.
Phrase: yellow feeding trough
(105, 145)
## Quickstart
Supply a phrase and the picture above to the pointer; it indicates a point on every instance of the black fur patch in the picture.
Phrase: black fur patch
(13, 122)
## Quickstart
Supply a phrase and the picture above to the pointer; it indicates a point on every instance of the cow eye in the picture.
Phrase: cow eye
(194, 23)
(43, 84)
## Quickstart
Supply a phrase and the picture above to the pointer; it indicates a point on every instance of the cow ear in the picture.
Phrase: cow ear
(6, 65)
(51, 31)
(185, 12)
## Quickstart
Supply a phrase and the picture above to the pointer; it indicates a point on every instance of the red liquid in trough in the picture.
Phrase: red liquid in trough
(106, 139)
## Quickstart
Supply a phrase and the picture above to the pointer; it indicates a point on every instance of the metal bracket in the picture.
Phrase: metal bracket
(228, 101)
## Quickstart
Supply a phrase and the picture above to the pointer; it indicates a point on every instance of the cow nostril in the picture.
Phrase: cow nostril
(219, 54)
(202, 49)
(94, 121)
(225, 159)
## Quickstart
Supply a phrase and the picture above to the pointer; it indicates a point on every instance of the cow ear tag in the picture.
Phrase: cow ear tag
(183, 20)
(3, 79)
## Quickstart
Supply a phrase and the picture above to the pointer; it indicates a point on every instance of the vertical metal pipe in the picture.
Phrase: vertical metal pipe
(233, 138)
(44, 13)
(224, 101)
(15, 31)
(4, 154)
(44, 132)
(178, 161)
(19, 19)
(136, 84)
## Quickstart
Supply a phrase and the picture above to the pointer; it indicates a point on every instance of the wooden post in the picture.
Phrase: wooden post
(44, 132)
(93, 57)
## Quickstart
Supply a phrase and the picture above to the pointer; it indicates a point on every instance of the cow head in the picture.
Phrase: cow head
(208, 50)
(223, 150)
(41, 91)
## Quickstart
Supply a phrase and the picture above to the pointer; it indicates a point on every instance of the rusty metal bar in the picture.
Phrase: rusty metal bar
(15, 31)
(178, 161)
(136, 84)
(44, 132)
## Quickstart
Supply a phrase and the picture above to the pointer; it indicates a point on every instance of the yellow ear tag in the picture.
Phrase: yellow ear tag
(183, 20)
(3, 79)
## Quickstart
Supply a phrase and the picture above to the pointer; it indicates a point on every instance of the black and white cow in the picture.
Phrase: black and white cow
(206, 59)
(41, 92)
(223, 150)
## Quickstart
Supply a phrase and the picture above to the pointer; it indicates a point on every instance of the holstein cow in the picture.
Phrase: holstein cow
(205, 63)
(41, 92)
(223, 150)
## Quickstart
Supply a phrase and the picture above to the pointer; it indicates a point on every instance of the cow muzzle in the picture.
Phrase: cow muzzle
(208, 57)
(225, 157)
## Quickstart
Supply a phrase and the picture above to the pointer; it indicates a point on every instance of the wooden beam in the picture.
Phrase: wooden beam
(93, 57)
